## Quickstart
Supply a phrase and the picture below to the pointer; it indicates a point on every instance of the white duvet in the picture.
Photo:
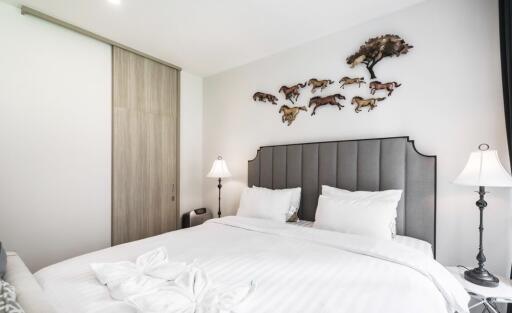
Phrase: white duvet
(295, 269)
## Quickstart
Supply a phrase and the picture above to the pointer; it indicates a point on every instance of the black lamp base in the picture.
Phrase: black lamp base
(481, 277)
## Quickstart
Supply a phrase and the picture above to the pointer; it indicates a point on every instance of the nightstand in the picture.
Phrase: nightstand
(485, 296)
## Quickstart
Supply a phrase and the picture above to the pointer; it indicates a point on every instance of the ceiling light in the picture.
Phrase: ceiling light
(116, 2)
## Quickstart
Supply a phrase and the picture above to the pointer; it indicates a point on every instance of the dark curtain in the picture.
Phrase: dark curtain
(506, 65)
(505, 9)
(509, 307)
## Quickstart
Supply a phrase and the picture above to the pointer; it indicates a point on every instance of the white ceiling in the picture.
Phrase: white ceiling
(209, 36)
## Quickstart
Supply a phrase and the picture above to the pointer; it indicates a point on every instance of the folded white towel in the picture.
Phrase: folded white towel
(151, 270)
(154, 285)
(193, 292)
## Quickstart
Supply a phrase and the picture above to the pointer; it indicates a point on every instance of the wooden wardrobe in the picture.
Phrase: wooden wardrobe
(145, 147)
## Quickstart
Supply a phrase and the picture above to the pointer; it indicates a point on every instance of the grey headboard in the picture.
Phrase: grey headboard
(363, 164)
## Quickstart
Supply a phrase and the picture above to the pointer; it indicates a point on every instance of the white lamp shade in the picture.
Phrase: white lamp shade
(219, 169)
(484, 169)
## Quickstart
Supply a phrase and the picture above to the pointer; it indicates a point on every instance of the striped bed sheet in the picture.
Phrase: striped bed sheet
(417, 244)
(292, 273)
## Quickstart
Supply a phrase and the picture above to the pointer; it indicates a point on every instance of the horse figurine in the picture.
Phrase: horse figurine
(290, 113)
(265, 97)
(377, 85)
(320, 101)
(322, 84)
(371, 103)
(344, 81)
(292, 91)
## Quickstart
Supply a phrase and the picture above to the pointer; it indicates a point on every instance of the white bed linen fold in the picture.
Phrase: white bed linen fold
(295, 271)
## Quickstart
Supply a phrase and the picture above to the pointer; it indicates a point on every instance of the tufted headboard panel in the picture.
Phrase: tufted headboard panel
(363, 164)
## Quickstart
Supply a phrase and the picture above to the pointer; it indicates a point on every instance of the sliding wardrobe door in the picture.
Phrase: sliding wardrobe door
(145, 147)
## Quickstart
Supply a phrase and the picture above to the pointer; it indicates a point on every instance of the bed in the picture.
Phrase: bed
(292, 266)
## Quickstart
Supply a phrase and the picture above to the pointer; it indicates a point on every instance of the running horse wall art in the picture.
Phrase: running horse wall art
(373, 51)
(389, 87)
(344, 81)
(360, 102)
(329, 100)
(290, 113)
(292, 92)
(316, 83)
(265, 97)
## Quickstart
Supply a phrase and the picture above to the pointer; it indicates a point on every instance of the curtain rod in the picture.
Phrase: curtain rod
(29, 11)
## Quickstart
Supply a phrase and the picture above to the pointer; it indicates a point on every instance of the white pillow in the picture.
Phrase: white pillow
(386, 195)
(265, 203)
(294, 201)
(360, 217)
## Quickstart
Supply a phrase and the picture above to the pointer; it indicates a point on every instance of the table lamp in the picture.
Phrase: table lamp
(219, 170)
(483, 169)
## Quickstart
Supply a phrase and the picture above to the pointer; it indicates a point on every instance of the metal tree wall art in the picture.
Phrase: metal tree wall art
(290, 113)
(264, 97)
(376, 49)
(389, 87)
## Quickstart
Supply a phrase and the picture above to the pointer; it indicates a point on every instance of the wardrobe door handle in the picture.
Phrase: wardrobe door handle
(173, 197)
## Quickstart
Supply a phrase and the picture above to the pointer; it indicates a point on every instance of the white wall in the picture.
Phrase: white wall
(191, 142)
(55, 133)
(55, 130)
(450, 101)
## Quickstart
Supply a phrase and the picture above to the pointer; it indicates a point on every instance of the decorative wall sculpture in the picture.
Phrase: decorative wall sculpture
(376, 49)
(377, 85)
(360, 102)
(322, 84)
(290, 113)
(369, 54)
(292, 91)
(265, 97)
(329, 100)
(344, 81)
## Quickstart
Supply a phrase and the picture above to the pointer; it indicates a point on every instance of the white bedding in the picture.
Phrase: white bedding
(295, 269)
(417, 244)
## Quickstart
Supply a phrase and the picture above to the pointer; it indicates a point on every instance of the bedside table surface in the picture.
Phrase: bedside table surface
(503, 291)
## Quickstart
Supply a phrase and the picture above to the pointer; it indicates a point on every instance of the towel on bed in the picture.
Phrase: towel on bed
(154, 284)
(151, 270)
